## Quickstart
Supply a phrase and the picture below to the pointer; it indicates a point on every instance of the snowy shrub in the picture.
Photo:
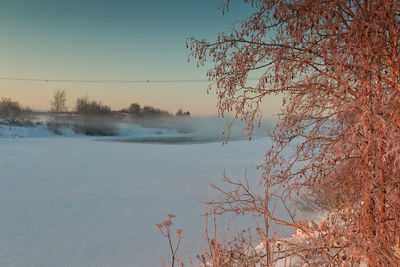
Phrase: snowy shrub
(13, 113)
(58, 121)
(10, 111)
(54, 127)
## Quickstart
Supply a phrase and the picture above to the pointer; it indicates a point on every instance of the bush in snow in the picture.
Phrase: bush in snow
(13, 113)
(94, 118)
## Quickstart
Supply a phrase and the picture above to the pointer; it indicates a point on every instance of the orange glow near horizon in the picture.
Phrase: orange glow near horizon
(167, 96)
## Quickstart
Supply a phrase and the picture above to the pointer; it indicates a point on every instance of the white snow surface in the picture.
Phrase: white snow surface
(22, 132)
(41, 130)
(85, 202)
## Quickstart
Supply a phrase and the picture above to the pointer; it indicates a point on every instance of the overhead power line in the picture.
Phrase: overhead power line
(109, 81)
(102, 81)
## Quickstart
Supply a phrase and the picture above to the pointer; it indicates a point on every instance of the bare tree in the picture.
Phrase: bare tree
(58, 104)
(336, 63)
(10, 111)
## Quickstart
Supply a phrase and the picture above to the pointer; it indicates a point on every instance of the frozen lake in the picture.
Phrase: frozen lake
(82, 202)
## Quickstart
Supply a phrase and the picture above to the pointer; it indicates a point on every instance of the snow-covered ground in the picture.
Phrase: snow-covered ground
(41, 130)
(85, 202)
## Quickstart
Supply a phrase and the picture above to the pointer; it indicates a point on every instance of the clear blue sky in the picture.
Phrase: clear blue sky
(109, 39)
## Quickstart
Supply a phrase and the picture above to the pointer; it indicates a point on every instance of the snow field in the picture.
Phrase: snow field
(83, 202)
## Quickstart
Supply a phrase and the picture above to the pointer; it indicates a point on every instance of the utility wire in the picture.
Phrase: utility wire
(106, 81)
(102, 81)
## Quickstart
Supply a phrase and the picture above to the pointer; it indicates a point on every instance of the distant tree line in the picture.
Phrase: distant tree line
(180, 112)
(135, 109)
(89, 117)
(148, 116)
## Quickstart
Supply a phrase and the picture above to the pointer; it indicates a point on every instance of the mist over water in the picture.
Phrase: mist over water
(203, 129)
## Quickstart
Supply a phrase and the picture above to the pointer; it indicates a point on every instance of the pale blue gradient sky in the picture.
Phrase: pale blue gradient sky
(108, 40)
